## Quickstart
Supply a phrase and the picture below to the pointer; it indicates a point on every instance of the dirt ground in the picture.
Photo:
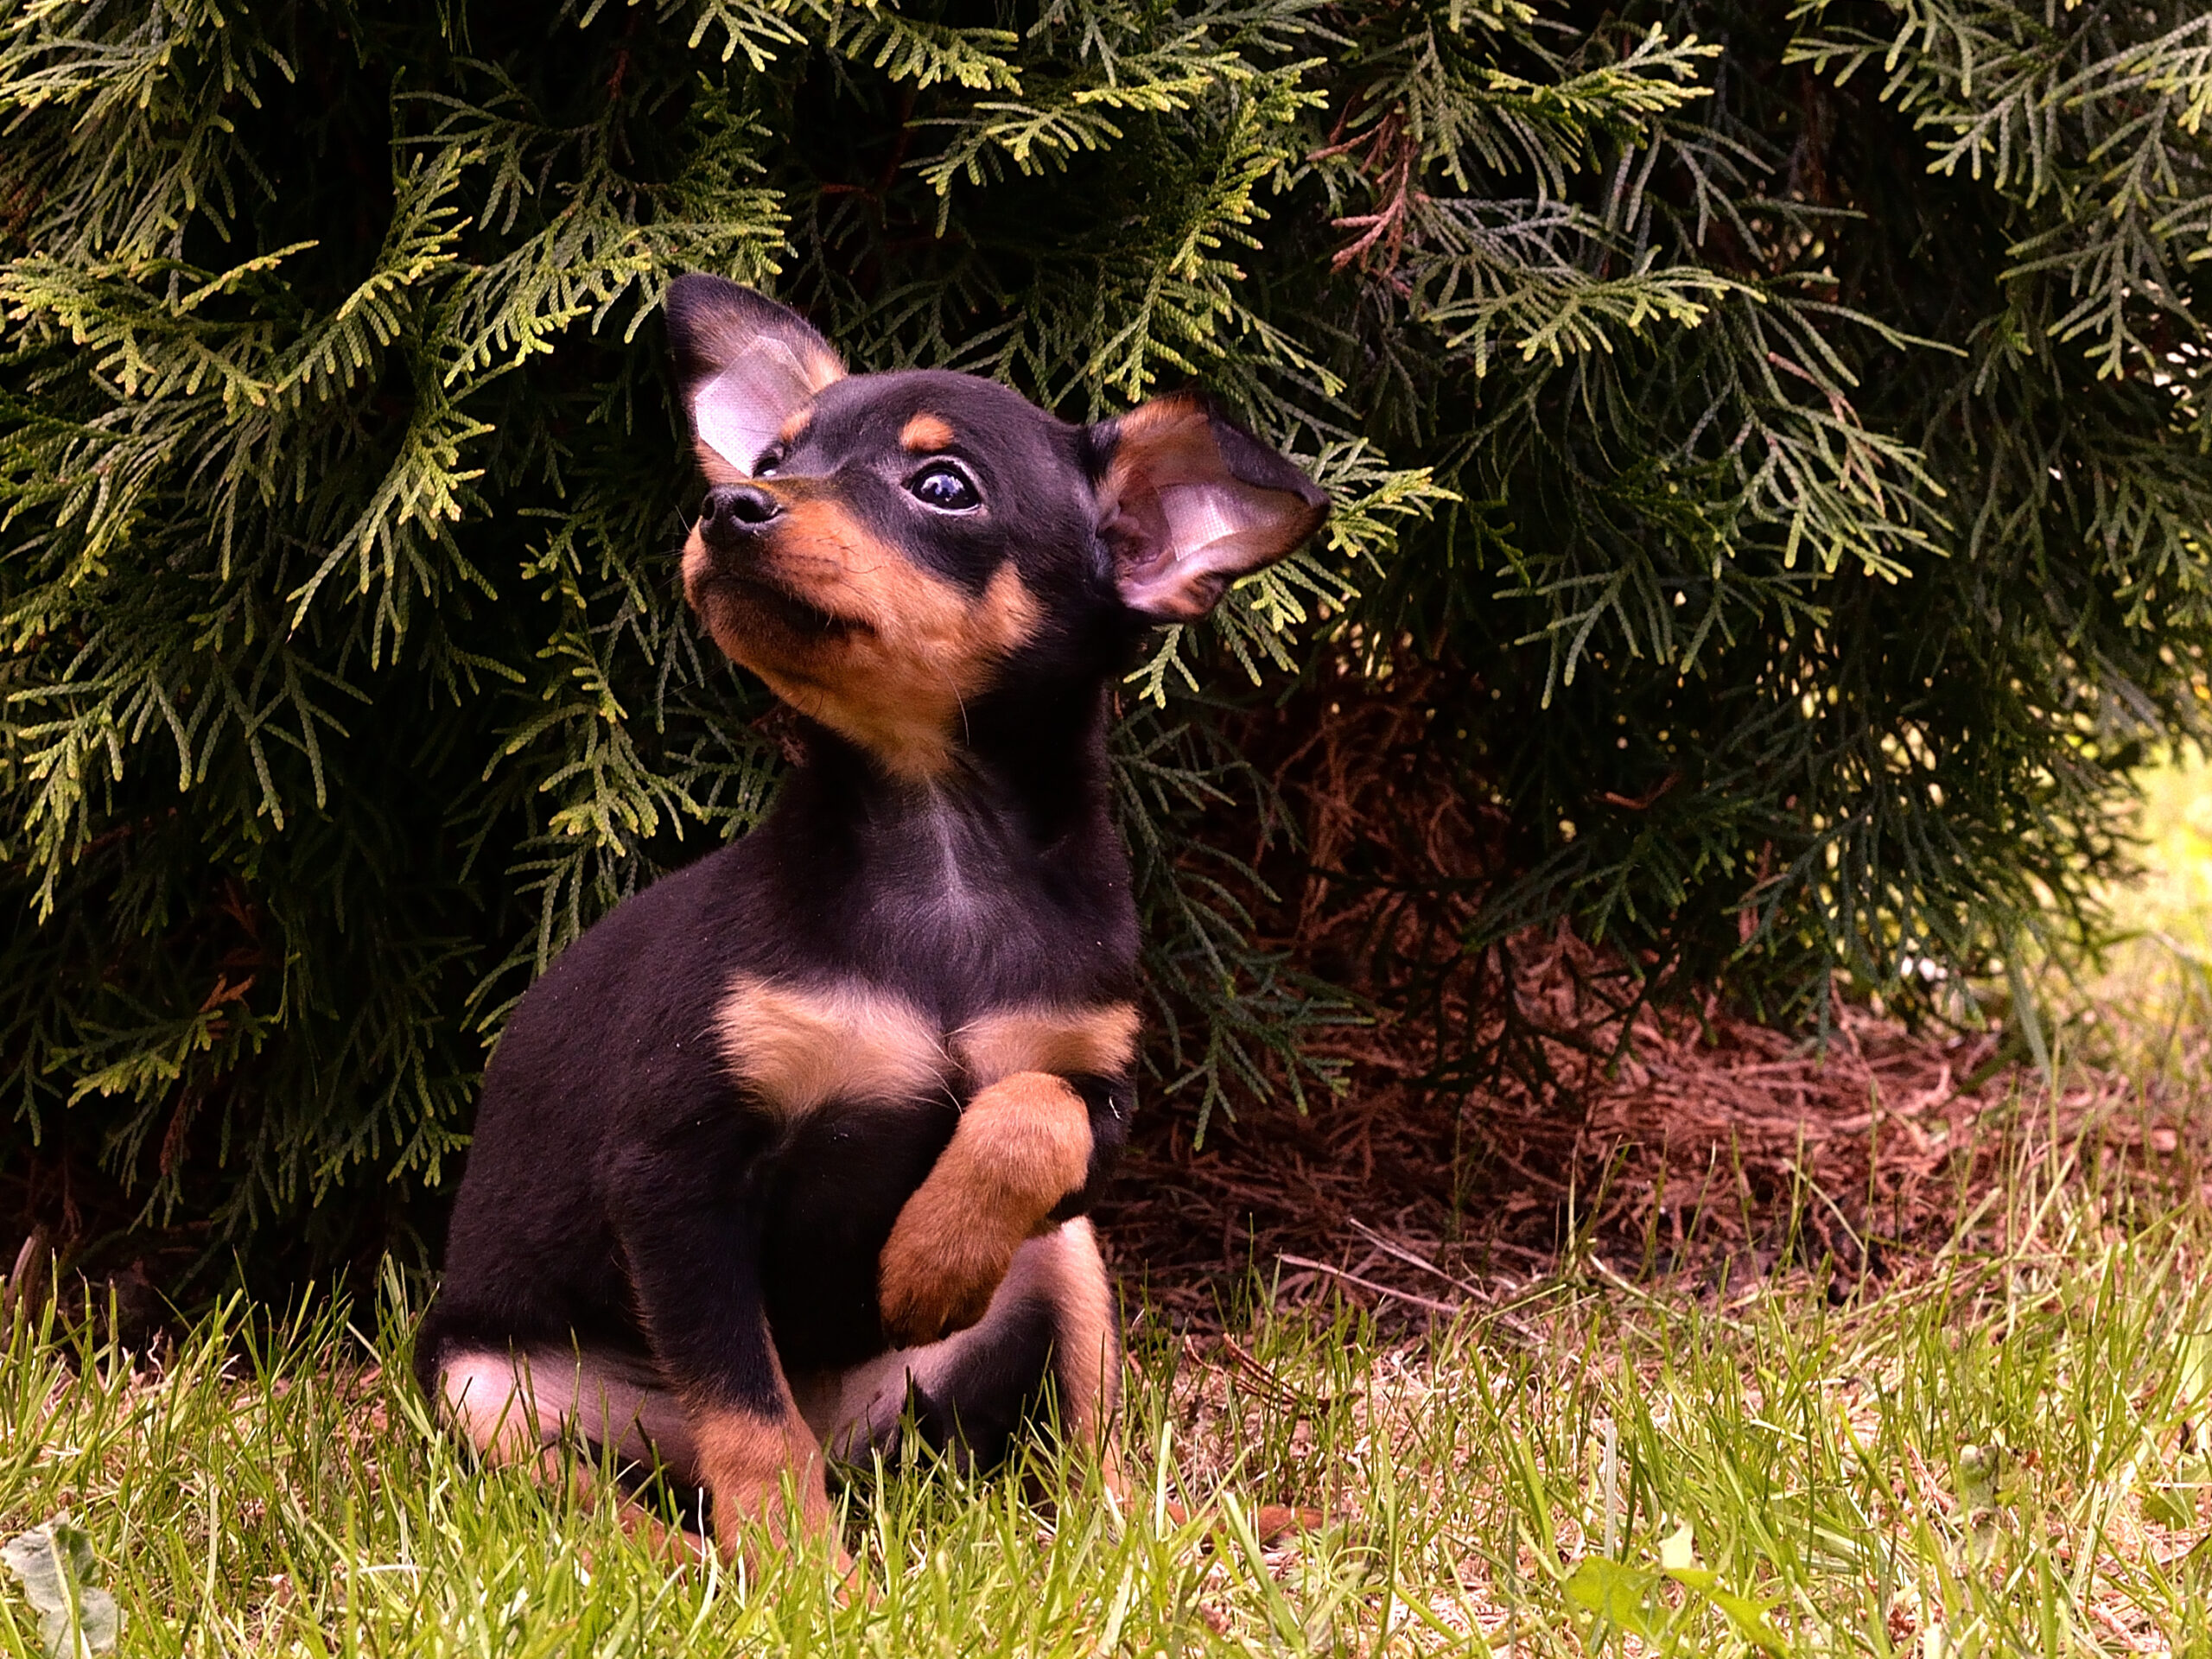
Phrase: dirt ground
(1712, 1150)
(1681, 1143)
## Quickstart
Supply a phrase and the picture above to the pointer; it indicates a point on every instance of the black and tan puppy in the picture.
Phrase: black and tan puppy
(803, 1136)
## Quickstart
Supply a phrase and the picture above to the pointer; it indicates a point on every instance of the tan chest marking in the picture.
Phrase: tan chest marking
(801, 1046)
(1100, 1040)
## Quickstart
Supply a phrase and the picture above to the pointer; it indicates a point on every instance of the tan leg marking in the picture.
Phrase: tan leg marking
(744, 1461)
(1022, 1145)
(1087, 1336)
(925, 434)
(800, 1046)
(1099, 1041)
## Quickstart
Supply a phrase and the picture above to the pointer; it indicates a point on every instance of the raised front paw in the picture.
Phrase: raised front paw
(1022, 1145)
(941, 1265)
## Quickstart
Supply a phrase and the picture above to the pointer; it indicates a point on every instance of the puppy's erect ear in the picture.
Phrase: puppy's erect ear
(1188, 503)
(744, 364)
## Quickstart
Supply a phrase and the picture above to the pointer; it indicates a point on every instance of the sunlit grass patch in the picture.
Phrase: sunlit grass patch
(2147, 1010)
(2174, 892)
(2003, 1451)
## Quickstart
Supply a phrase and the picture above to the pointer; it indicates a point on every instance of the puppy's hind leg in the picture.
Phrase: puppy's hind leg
(1049, 1343)
(552, 1411)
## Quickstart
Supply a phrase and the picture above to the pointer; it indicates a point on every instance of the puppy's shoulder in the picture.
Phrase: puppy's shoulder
(655, 962)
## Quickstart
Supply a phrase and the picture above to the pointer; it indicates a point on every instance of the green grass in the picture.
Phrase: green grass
(2149, 1011)
(2004, 1449)
(2003, 1454)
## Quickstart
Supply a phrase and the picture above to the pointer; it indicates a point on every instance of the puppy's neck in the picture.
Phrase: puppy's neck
(1036, 764)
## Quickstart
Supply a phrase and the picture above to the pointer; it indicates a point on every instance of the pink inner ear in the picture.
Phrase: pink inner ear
(1200, 517)
(738, 412)
(1208, 533)
(1183, 520)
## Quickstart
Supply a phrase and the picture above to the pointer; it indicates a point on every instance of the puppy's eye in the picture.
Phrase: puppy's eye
(944, 487)
(771, 458)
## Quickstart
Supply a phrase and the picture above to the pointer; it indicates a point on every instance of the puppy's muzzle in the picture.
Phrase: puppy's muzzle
(734, 516)
(736, 532)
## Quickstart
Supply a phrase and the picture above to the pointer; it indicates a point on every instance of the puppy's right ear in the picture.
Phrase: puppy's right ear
(745, 366)
(1190, 501)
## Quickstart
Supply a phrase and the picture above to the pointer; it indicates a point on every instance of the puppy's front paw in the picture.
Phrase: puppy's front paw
(1023, 1145)
(941, 1265)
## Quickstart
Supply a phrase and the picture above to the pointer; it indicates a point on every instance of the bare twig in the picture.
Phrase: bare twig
(1452, 1309)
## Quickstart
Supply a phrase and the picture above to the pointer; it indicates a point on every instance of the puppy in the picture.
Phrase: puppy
(800, 1139)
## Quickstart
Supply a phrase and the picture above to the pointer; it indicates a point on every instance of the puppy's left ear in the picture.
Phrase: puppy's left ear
(1188, 502)
(745, 366)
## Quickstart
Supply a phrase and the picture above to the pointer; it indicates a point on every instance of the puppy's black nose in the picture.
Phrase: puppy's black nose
(732, 511)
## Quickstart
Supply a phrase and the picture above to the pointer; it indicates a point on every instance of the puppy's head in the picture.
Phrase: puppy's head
(886, 551)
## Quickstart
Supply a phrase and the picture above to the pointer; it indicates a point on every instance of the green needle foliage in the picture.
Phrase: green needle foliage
(1787, 420)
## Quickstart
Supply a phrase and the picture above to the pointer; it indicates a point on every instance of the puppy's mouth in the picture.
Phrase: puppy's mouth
(794, 613)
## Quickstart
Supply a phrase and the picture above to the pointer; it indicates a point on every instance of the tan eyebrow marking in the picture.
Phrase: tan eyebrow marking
(800, 1047)
(1097, 1041)
(793, 429)
(925, 434)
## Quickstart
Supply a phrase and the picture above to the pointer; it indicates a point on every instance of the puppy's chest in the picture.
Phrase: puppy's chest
(953, 892)
(795, 1048)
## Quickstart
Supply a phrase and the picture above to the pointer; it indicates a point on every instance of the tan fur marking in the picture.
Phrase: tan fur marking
(697, 564)
(1099, 1041)
(743, 1460)
(802, 1047)
(1006, 616)
(1022, 1145)
(896, 682)
(724, 340)
(925, 434)
(823, 368)
(1086, 1335)
(512, 1407)
(717, 468)
(1169, 435)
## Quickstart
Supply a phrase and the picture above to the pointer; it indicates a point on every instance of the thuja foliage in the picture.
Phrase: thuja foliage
(1785, 419)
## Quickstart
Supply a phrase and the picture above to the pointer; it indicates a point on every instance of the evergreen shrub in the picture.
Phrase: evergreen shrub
(1782, 423)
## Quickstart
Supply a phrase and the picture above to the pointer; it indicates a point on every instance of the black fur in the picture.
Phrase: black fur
(625, 1191)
